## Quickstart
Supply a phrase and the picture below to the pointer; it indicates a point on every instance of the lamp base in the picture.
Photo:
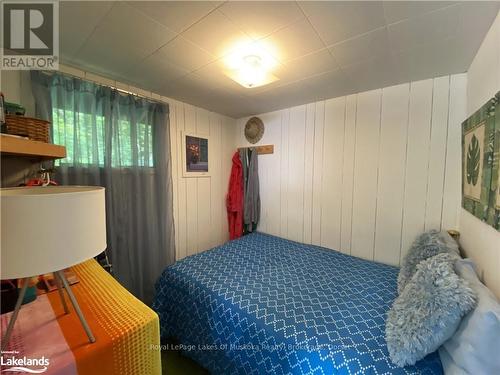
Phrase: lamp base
(13, 318)
(60, 278)
(74, 302)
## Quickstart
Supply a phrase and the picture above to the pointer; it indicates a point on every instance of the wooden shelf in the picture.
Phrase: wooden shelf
(30, 149)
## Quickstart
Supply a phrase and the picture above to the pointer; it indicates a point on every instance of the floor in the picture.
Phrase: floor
(174, 363)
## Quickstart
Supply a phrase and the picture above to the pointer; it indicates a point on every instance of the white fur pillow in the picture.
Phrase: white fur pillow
(428, 310)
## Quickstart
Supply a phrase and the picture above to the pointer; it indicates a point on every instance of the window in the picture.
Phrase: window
(84, 136)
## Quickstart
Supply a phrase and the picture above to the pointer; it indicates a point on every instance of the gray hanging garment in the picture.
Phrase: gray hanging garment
(251, 211)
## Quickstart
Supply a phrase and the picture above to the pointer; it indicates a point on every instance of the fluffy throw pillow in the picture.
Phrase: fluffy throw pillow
(428, 311)
(425, 246)
(474, 348)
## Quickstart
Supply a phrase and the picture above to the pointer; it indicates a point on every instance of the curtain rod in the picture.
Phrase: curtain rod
(107, 85)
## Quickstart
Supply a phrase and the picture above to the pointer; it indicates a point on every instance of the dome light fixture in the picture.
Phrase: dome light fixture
(250, 66)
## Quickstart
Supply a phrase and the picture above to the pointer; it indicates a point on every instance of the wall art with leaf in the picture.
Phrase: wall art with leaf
(481, 161)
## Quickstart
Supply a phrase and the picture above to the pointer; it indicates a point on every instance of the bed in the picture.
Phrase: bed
(266, 305)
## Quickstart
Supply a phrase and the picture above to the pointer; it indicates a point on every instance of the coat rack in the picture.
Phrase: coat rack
(261, 150)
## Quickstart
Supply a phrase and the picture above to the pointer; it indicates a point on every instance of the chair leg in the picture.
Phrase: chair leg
(74, 302)
(13, 318)
(61, 292)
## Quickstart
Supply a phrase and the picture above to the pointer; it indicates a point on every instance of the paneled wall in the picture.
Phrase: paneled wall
(199, 203)
(365, 173)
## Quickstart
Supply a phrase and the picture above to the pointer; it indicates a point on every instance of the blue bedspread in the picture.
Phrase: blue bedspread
(265, 305)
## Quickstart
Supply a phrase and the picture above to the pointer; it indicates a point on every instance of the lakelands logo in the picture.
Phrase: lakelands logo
(24, 364)
(30, 35)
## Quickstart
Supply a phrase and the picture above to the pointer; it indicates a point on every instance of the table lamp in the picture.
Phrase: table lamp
(47, 229)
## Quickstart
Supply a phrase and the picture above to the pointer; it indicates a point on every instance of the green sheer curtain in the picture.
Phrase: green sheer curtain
(121, 142)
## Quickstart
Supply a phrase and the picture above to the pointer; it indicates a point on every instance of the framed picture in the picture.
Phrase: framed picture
(480, 163)
(195, 155)
(494, 206)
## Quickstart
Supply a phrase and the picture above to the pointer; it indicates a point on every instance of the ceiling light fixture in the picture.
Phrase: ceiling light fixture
(250, 65)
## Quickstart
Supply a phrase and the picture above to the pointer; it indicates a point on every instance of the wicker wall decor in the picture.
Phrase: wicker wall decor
(254, 130)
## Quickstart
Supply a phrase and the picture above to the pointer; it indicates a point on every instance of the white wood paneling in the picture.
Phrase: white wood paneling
(191, 216)
(296, 142)
(417, 161)
(180, 218)
(308, 171)
(331, 188)
(191, 211)
(284, 164)
(453, 168)
(437, 153)
(271, 203)
(348, 173)
(319, 139)
(364, 174)
(200, 214)
(391, 179)
(216, 214)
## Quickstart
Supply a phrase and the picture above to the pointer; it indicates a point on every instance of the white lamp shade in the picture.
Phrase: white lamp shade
(47, 229)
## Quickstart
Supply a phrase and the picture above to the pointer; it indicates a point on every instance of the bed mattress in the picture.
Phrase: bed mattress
(266, 305)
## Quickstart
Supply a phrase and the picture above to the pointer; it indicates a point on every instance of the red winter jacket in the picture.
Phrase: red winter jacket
(234, 199)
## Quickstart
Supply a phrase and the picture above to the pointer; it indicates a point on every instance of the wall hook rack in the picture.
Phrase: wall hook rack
(261, 150)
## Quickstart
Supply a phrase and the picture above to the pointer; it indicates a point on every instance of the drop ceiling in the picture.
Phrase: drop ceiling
(324, 49)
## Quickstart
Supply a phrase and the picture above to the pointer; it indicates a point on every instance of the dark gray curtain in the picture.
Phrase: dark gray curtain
(121, 142)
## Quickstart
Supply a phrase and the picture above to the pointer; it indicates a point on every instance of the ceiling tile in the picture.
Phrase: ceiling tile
(77, 21)
(337, 21)
(125, 27)
(98, 56)
(261, 18)
(194, 90)
(399, 10)
(188, 89)
(434, 59)
(216, 34)
(437, 25)
(176, 15)
(223, 101)
(284, 96)
(213, 75)
(475, 21)
(184, 54)
(306, 66)
(374, 73)
(157, 72)
(372, 44)
(294, 41)
(329, 85)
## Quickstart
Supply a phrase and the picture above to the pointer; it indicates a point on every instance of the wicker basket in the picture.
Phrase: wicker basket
(33, 128)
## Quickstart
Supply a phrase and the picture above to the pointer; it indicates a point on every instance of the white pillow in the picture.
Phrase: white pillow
(474, 347)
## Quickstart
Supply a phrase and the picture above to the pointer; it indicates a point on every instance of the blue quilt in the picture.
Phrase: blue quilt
(265, 305)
